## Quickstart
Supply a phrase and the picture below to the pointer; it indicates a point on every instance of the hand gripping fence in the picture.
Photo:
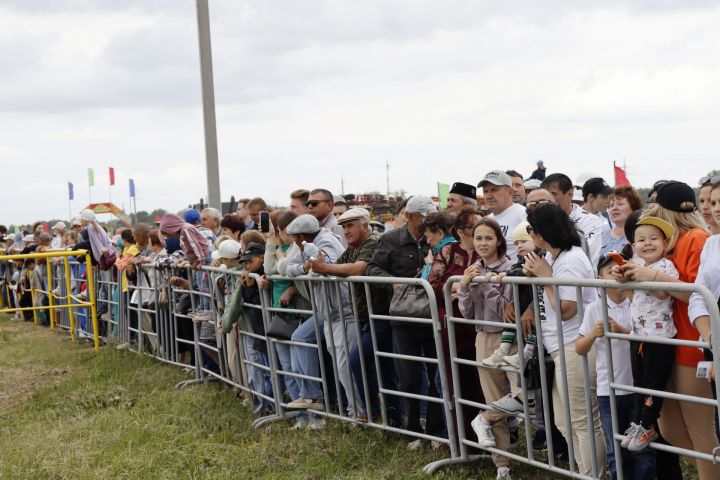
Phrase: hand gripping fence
(186, 332)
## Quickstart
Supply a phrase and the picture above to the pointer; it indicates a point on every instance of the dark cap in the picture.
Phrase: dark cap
(464, 189)
(653, 191)
(672, 195)
(605, 259)
(596, 186)
(252, 250)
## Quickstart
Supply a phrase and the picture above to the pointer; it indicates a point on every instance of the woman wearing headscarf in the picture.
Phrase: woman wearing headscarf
(196, 250)
(194, 244)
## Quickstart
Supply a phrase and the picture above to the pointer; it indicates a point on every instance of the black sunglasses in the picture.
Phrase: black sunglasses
(537, 203)
(314, 203)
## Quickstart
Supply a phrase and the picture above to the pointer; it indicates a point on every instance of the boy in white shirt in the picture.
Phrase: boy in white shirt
(641, 465)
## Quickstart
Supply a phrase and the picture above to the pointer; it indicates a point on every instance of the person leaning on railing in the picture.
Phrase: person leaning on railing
(307, 234)
(453, 259)
(353, 262)
(552, 229)
(400, 253)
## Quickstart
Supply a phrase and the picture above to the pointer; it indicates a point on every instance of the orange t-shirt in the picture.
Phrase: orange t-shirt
(686, 258)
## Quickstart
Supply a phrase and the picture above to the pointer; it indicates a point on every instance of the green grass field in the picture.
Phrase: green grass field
(68, 413)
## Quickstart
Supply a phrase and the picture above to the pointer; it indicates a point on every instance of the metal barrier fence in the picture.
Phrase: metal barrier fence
(589, 409)
(55, 287)
(175, 315)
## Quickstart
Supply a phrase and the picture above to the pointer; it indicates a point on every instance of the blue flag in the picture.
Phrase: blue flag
(132, 188)
(71, 193)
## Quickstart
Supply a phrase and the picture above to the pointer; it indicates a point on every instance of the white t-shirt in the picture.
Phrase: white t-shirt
(572, 264)
(622, 369)
(510, 218)
(592, 228)
(708, 276)
(652, 316)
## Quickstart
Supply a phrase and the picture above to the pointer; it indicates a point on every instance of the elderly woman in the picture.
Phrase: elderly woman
(623, 201)
(684, 424)
(552, 230)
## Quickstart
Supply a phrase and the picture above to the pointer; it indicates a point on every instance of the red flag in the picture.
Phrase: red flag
(112, 176)
(620, 177)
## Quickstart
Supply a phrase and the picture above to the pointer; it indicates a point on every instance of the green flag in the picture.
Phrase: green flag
(91, 177)
(443, 192)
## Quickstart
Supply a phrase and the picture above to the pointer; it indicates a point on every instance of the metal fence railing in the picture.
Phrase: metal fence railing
(351, 356)
(51, 291)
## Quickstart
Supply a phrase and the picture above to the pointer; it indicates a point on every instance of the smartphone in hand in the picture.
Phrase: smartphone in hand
(617, 258)
(264, 222)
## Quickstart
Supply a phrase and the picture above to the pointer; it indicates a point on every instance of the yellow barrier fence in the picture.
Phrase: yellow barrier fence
(70, 302)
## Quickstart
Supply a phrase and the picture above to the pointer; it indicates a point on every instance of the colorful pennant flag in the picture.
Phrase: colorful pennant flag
(132, 188)
(91, 177)
(112, 176)
(71, 192)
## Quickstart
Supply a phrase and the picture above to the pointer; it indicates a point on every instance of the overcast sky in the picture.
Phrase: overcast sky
(311, 90)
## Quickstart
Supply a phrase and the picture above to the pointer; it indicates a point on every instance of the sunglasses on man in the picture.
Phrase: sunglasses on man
(314, 203)
(531, 205)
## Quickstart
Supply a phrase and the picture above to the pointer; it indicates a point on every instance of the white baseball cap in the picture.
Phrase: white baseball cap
(227, 249)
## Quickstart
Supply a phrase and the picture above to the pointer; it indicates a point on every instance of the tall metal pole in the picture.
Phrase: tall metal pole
(387, 176)
(208, 96)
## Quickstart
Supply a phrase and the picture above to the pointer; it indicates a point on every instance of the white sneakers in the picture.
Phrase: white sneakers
(512, 360)
(629, 435)
(496, 359)
(483, 430)
(503, 473)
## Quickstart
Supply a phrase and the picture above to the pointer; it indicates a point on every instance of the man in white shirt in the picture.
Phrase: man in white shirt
(498, 192)
(561, 188)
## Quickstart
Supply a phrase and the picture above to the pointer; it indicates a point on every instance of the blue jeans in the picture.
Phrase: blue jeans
(383, 334)
(638, 466)
(290, 383)
(258, 379)
(304, 360)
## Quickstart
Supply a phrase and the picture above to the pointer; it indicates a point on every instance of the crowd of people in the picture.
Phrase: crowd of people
(534, 228)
